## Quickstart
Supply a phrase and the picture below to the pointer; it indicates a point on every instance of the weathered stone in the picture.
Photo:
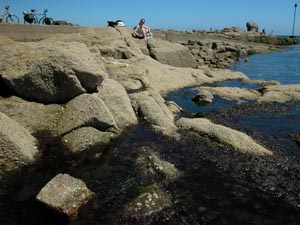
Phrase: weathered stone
(17, 145)
(151, 107)
(150, 164)
(86, 138)
(173, 107)
(171, 54)
(148, 203)
(65, 194)
(234, 93)
(33, 116)
(52, 72)
(115, 97)
(280, 93)
(203, 97)
(240, 141)
(86, 110)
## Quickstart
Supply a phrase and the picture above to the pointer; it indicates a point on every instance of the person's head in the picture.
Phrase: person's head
(142, 21)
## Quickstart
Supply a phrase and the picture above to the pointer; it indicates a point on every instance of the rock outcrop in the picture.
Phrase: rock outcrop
(150, 106)
(171, 54)
(50, 72)
(87, 110)
(115, 97)
(240, 141)
(86, 138)
(17, 146)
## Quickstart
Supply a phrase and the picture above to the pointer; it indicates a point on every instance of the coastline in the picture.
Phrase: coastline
(74, 92)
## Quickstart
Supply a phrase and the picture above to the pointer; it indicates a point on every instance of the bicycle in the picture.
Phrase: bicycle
(8, 17)
(32, 17)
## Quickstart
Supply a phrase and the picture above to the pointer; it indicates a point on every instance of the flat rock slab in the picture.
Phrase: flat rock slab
(65, 194)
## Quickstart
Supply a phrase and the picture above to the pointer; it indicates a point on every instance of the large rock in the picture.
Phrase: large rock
(151, 107)
(240, 141)
(65, 194)
(115, 97)
(234, 93)
(86, 138)
(33, 116)
(203, 97)
(251, 26)
(87, 110)
(171, 54)
(280, 93)
(17, 145)
(52, 72)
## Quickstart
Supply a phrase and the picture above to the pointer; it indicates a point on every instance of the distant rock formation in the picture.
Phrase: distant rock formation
(251, 26)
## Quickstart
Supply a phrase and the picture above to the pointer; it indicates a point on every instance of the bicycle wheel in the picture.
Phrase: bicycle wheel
(47, 21)
(12, 19)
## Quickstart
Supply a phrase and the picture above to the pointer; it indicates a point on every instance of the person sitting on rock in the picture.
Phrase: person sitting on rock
(141, 31)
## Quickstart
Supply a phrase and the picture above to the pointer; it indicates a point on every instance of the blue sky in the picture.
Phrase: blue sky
(273, 15)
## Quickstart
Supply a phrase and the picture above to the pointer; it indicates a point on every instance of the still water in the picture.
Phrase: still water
(283, 66)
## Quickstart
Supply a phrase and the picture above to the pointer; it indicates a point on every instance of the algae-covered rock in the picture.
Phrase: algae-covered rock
(65, 194)
(240, 141)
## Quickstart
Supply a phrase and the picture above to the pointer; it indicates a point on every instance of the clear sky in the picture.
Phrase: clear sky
(273, 15)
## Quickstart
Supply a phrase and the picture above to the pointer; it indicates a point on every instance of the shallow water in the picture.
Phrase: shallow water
(283, 66)
(204, 194)
(215, 189)
(183, 97)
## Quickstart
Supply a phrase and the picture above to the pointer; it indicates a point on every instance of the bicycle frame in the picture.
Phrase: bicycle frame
(3, 14)
(7, 16)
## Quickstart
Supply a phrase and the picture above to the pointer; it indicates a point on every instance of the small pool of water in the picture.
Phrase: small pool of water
(183, 97)
(273, 123)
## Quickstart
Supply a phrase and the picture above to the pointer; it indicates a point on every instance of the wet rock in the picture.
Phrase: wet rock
(296, 138)
(280, 93)
(240, 141)
(86, 138)
(65, 194)
(156, 169)
(203, 97)
(148, 203)
(234, 93)
(17, 146)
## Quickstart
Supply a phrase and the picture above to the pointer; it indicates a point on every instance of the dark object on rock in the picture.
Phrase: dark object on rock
(117, 23)
(296, 138)
(203, 97)
(60, 22)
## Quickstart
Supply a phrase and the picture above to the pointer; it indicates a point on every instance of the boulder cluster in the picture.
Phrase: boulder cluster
(85, 89)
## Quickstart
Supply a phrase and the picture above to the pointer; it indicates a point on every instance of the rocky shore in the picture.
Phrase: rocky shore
(75, 92)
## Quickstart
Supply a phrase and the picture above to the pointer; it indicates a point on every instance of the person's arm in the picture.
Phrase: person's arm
(147, 29)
